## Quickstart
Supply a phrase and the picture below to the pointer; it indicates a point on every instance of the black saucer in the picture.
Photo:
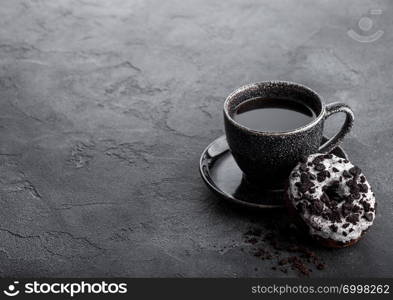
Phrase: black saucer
(222, 175)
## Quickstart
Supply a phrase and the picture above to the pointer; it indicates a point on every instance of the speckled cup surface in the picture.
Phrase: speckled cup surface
(266, 158)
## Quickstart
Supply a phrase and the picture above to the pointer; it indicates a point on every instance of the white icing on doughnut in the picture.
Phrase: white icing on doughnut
(318, 225)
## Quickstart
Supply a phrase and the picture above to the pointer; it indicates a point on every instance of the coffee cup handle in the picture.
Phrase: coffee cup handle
(331, 109)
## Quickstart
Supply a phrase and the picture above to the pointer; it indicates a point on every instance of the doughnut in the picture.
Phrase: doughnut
(332, 199)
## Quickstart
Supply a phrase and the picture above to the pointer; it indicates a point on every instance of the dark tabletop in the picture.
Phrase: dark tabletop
(107, 105)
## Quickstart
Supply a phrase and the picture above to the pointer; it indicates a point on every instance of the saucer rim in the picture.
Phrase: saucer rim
(219, 192)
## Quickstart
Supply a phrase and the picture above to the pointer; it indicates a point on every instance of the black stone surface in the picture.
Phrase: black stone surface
(107, 105)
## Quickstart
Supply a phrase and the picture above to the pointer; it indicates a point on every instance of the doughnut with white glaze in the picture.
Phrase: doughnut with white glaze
(332, 198)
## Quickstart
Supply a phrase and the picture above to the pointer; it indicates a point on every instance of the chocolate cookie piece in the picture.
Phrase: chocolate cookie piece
(320, 167)
(369, 217)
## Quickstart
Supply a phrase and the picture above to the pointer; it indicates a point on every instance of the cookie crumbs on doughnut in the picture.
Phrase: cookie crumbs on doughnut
(332, 197)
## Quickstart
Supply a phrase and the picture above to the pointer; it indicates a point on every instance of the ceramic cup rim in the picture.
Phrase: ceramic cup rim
(260, 85)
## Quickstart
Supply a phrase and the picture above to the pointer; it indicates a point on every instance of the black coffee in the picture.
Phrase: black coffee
(274, 115)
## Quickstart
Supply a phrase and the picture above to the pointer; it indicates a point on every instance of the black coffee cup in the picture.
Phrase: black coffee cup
(266, 158)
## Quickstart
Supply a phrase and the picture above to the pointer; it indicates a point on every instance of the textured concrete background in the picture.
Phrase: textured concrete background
(107, 105)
